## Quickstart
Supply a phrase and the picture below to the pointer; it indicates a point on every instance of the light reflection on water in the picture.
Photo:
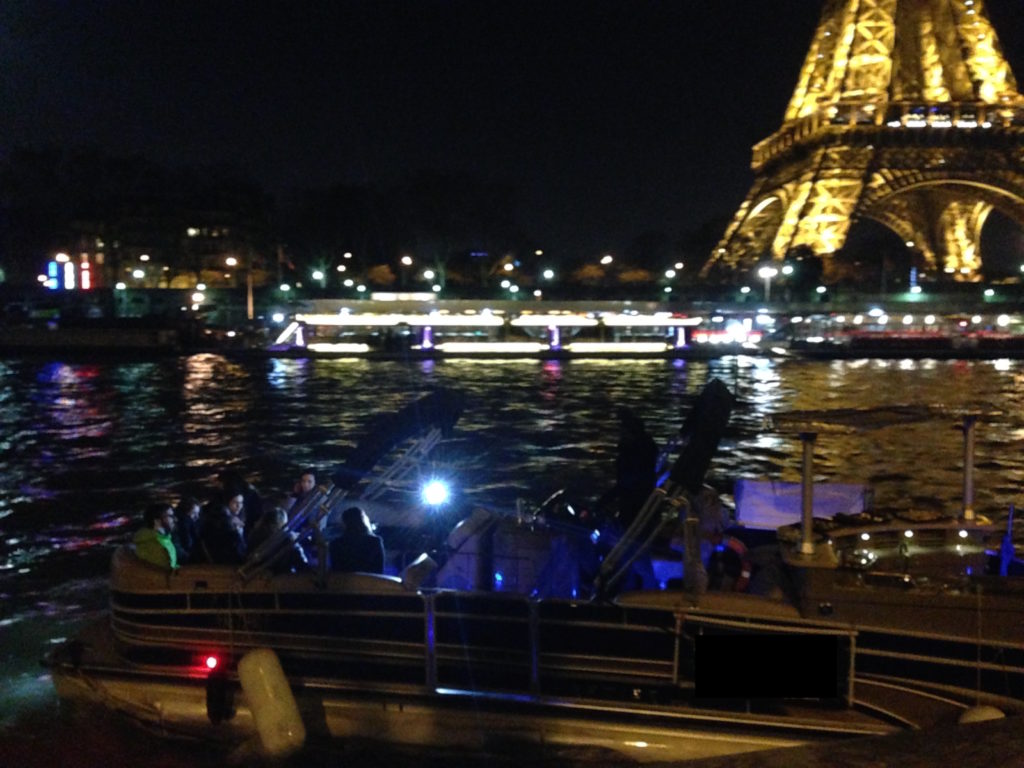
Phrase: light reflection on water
(87, 446)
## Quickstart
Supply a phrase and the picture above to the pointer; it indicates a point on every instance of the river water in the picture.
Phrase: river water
(85, 446)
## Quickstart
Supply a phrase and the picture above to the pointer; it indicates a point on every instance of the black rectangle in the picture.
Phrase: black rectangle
(768, 666)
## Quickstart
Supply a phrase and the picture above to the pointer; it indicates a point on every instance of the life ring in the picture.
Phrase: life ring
(740, 553)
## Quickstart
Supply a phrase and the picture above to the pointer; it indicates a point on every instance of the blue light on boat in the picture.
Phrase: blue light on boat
(595, 536)
(498, 579)
(435, 493)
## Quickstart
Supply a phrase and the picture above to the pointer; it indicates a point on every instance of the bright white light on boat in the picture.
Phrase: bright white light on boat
(963, 534)
(660, 319)
(355, 348)
(644, 347)
(929, 319)
(538, 321)
(976, 319)
(212, 662)
(472, 347)
(865, 536)
(875, 312)
(909, 534)
(1003, 320)
(435, 493)
(287, 332)
(638, 744)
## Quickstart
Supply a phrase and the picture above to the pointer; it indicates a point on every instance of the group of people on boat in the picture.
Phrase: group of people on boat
(234, 523)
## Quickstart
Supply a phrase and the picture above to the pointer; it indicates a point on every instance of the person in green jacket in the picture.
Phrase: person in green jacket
(153, 541)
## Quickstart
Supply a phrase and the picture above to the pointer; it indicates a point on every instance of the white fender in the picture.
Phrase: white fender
(272, 703)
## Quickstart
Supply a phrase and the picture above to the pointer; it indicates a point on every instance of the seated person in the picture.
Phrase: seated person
(290, 561)
(358, 549)
(304, 488)
(186, 529)
(233, 483)
(153, 541)
(222, 532)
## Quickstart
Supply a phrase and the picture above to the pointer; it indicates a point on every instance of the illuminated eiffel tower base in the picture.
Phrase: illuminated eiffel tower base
(907, 113)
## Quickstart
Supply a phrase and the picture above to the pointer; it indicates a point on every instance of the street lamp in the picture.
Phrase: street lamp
(767, 273)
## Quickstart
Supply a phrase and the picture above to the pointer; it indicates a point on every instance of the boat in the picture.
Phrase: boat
(467, 329)
(512, 642)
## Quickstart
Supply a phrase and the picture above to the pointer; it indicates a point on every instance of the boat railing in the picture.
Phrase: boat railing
(433, 639)
(438, 639)
(981, 671)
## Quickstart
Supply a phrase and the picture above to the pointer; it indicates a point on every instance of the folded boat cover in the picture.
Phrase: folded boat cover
(767, 505)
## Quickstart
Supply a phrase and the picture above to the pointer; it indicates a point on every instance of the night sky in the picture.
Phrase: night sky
(610, 118)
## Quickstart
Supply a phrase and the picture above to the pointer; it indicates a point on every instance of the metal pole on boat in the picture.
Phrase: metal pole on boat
(807, 494)
(968, 509)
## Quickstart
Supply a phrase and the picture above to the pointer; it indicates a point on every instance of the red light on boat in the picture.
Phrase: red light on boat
(211, 662)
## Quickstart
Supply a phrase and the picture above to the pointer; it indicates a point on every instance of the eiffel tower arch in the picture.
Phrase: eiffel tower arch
(906, 113)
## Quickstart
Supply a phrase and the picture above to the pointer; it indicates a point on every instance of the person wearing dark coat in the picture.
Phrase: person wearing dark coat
(305, 487)
(232, 483)
(358, 549)
(222, 532)
(636, 464)
(186, 530)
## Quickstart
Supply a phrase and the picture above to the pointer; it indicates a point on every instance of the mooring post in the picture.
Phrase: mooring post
(968, 501)
(807, 494)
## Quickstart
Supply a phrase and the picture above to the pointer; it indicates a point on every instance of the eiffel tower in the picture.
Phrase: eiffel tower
(907, 113)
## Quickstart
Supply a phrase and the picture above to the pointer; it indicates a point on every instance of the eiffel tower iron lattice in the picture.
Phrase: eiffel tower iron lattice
(905, 112)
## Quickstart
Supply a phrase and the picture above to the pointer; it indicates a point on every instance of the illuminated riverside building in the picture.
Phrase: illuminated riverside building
(906, 113)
